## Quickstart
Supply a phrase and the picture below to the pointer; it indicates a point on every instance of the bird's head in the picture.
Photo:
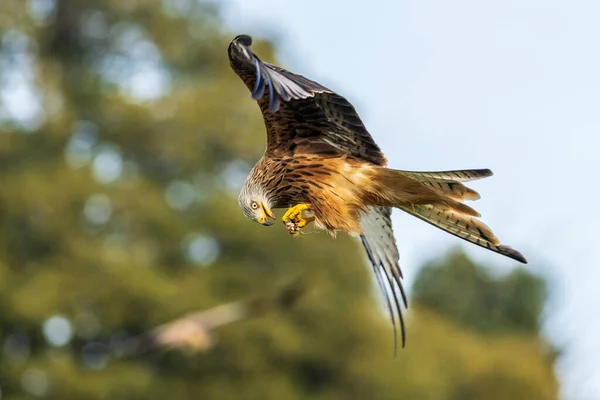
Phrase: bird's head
(239, 52)
(256, 205)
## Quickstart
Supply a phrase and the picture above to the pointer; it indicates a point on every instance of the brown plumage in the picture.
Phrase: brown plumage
(320, 155)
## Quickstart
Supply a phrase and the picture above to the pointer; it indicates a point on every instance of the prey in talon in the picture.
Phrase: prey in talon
(322, 165)
(292, 228)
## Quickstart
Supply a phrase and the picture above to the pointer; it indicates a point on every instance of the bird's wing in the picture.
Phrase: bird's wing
(380, 245)
(302, 115)
(191, 332)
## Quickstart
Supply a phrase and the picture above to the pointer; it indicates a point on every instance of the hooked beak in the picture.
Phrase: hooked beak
(267, 218)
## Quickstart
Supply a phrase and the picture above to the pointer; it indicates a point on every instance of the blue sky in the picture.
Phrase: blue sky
(509, 85)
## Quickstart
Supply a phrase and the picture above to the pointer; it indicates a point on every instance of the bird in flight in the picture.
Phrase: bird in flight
(322, 164)
(195, 332)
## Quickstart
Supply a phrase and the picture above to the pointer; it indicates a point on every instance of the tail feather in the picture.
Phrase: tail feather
(397, 188)
(459, 207)
(449, 176)
(454, 190)
(463, 226)
(436, 197)
(449, 182)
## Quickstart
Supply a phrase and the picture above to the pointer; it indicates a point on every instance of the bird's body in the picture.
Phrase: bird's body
(321, 159)
(329, 184)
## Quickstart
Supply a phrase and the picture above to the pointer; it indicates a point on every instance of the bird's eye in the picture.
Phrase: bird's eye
(254, 205)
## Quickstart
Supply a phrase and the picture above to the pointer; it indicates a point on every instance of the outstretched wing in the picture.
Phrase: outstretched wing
(302, 115)
(380, 245)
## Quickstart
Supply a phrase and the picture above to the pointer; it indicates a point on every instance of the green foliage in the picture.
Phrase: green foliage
(118, 212)
(466, 292)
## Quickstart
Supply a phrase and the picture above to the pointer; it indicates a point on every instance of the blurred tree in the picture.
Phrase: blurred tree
(124, 138)
(461, 290)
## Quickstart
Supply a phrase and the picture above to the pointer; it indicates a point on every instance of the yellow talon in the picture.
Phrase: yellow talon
(293, 218)
(294, 214)
(302, 222)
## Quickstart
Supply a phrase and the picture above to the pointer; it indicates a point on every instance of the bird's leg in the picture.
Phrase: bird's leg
(293, 219)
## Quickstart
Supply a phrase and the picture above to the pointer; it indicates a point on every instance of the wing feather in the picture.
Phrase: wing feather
(380, 246)
(299, 112)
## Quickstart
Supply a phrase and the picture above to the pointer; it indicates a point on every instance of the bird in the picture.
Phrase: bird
(323, 166)
(195, 332)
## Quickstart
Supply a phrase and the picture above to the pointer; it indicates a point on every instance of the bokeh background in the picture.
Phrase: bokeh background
(125, 137)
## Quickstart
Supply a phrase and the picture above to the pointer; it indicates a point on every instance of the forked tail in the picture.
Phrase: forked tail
(437, 198)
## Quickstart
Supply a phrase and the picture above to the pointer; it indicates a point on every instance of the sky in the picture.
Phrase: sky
(509, 85)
